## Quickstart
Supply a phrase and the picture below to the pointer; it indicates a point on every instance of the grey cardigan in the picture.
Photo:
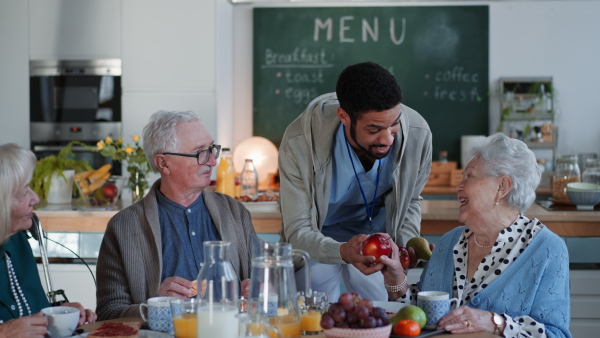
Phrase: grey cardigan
(305, 169)
(130, 258)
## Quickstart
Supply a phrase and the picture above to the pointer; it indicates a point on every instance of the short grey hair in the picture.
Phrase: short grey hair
(505, 156)
(16, 168)
(160, 134)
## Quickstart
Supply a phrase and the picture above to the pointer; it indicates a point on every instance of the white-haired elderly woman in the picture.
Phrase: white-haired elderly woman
(22, 296)
(510, 273)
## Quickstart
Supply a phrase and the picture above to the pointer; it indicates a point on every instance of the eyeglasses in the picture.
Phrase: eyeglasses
(203, 155)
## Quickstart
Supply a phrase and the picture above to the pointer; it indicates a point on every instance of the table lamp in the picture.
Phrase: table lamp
(264, 155)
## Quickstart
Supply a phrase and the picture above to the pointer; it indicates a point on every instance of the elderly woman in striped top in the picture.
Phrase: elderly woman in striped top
(22, 296)
(510, 273)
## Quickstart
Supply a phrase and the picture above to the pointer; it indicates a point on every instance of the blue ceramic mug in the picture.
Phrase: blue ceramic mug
(435, 304)
(159, 313)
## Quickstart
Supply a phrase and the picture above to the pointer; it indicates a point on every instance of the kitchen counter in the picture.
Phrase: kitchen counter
(438, 217)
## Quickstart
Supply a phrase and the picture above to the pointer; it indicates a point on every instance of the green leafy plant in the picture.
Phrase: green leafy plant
(47, 166)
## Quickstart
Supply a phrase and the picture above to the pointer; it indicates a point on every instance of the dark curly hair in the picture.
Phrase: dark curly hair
(365, 87)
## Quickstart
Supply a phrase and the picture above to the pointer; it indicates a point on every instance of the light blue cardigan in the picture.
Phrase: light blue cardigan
(535, 285)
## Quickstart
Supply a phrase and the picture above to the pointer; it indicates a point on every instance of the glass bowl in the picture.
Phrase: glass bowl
(99, 192)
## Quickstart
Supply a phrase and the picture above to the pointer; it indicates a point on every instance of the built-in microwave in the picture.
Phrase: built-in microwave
(74, 100)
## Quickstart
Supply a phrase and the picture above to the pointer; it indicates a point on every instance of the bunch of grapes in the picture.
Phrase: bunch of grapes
(353, 311)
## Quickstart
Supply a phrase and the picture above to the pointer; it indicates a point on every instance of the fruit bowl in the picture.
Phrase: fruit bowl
(376, 332)
(584, 195)
(98, 192)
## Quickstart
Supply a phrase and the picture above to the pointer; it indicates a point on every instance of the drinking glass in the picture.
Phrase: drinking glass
(185, 320)
(311, 309)
(257, 325)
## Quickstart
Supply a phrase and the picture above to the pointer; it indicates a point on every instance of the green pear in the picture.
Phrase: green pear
(421, 247)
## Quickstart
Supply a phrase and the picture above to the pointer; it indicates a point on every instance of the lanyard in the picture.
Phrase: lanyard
(369, 210)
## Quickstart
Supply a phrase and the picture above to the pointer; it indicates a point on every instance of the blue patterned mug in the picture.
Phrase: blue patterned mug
(435, 304)
(159, 313)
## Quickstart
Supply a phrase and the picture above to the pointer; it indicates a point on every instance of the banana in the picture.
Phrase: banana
(95, 183)
(91, 180)
(83, 175)
(100, 171)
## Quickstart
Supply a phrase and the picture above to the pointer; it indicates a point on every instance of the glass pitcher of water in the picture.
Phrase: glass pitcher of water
(273, 286)
(218, 289)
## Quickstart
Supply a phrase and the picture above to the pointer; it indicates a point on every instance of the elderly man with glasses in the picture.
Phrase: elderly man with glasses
(154, 247)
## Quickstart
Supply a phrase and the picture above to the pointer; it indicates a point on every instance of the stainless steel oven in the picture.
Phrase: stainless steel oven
(74, 100)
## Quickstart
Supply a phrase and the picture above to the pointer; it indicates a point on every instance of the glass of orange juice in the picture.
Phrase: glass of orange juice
(185, 320)
(311, 308)
(257, 326)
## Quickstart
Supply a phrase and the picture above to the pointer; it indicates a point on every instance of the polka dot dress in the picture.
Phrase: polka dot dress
(511, 242)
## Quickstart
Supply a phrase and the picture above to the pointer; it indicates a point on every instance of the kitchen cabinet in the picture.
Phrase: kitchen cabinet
(527, 112)
(585, 303)
(169, 60)
(74, 29)
(75, 279)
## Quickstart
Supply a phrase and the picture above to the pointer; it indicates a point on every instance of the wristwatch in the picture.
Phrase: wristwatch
(498, 321)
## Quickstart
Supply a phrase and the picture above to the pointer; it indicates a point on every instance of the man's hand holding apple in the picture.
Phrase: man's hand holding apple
(351, 253)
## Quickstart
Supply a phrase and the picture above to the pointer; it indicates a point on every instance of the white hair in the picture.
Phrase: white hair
(16, 168)
(160, 134)
(501, 155)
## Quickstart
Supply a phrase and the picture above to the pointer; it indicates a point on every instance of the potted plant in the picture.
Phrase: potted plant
(55, 169)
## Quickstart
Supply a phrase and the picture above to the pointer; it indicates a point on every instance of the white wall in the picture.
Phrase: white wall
(211, 73)
(14, 67)
(527, 38)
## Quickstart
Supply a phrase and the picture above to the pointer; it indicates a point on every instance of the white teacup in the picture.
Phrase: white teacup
(159, 313)
(62, 320)
(435, 304)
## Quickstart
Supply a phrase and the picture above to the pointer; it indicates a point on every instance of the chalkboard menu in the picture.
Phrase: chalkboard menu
(438, 54)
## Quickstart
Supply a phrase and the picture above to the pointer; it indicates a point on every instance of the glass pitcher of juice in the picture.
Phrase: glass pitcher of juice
(273, 285)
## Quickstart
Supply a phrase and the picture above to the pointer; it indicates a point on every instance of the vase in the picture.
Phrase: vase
(137, 183)
(61, 188)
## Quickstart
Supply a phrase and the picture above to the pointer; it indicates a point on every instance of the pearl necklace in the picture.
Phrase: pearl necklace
(16, 288)
(479, 245)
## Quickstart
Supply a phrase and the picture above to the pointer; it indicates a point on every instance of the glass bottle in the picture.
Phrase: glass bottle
(218, 290)
(226, 174)
(249, 180)
(591, 173)
(567, 171)
(443, 157)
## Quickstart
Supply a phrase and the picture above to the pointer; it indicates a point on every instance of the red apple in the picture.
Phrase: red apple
(404, 256)
(110, 190)
(377, 245)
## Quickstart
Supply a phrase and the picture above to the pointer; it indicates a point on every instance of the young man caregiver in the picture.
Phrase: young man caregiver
(353, 163)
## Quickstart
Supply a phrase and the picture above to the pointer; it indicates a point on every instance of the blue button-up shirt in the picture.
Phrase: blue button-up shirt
(182, 230)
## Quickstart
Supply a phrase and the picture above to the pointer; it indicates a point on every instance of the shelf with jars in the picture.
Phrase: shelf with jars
(528, 112)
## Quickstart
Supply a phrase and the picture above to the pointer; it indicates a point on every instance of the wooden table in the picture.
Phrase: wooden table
(93, 326)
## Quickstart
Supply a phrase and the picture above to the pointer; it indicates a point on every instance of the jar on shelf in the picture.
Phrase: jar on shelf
(567, 171)
(443, 156)
(583, 158)
(591, 173)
